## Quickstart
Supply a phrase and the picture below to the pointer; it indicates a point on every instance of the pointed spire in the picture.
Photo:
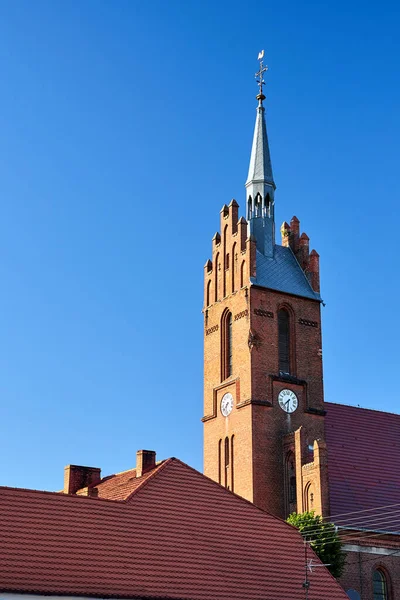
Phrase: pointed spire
(260, 169)
(260, 185)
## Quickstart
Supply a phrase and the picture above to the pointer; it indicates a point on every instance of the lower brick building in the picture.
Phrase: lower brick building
(162, 530)
(268, 434)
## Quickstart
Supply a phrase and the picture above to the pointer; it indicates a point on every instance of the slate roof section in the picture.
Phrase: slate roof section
(283, 273)
(364, 466)
(179, 536)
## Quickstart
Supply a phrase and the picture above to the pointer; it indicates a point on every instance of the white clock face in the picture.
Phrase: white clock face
(288, 401)
(226, 404)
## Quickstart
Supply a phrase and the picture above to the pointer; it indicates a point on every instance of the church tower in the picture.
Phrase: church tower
(263, 389)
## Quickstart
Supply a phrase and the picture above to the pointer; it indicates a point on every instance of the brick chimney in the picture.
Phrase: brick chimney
(145, 461)
(76, 478)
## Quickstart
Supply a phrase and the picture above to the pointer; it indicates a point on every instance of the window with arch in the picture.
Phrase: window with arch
(234, 263)
(226, 345)
(225, 259)
(309, 497)
(290, 482)
(258, 206)
(284, 341)
(217, 265)
(219, 461)
(380, 585)
(208, 294)
(232, 474)
(267, 205)
(227, 462)
(242, 268)
(250, 208)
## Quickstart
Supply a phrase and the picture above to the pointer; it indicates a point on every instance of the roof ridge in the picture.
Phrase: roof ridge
(386, 412)
(153, 473)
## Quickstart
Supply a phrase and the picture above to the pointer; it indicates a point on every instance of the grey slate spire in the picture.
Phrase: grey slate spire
(260, 185)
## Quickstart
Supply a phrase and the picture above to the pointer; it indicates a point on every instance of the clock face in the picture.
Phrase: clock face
(288, 401)
(226, 404)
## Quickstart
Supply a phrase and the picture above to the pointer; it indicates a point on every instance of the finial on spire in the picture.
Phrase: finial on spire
(259, 76)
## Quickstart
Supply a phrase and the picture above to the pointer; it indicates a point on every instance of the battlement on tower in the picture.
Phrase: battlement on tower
(233, 257)
(300, 246)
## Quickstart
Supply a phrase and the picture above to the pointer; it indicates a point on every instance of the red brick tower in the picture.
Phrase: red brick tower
(263, 390)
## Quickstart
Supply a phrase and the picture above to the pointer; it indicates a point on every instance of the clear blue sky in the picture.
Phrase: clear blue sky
(124, 127)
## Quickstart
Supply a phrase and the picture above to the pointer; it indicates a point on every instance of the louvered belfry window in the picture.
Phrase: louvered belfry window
(229, 345)
(284, 341)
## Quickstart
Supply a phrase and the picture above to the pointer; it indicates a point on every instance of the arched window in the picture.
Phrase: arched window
(219, 461)
(309, 497)
(290, 483)
(380, 585)
(226, 345)
(234, 263)
(217, 265)
(242, 268)
(226, 462)
(232, 474)
(267, 206)
(258, 206)
(284, 341)
(249, 208)
(208, 295)
(225, 259)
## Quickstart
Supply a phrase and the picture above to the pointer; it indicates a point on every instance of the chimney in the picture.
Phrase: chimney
(76, 478)
(145, 461)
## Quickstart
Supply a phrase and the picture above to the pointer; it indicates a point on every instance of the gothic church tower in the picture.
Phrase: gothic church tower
(263, 389)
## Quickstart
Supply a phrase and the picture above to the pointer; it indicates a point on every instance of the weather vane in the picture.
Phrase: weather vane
(259, 75)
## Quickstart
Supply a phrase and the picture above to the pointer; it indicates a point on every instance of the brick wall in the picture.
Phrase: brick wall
(360, 567)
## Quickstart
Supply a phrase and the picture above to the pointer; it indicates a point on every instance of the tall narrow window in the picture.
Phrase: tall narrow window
(219, 461)
(284, 341)
(234, 266)
(225, 259)
(380, 585)
(242, 268)
(229, 346)
(232, 464)
(249, 208)
(267, 206)
(290, 483)
(208, 298)
(226, 345)
(217, 266)
(227, 462)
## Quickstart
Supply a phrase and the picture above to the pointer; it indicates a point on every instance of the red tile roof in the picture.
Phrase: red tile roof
(364, 465)
(121, 485)
(180, 535)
